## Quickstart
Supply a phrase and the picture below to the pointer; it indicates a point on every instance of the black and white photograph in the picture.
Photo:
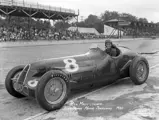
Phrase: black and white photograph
(79, 60)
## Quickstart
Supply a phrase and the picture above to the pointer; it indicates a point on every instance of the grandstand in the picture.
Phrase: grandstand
(25, 9)
(30, 10)
(133, 28)
(110, 31)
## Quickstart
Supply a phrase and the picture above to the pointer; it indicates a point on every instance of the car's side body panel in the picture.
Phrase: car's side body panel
(91, 68)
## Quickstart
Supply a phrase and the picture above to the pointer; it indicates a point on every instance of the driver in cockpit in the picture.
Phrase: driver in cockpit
(110, 48)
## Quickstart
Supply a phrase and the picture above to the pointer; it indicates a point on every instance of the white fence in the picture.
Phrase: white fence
(34, 5)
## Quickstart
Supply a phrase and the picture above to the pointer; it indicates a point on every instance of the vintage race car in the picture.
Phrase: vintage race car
(50, 81)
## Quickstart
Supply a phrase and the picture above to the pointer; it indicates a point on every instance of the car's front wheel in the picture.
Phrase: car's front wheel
(139, 70)
(52, 90)
(11, 79)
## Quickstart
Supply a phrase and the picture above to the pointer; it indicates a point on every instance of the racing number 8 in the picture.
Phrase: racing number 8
(71, 65)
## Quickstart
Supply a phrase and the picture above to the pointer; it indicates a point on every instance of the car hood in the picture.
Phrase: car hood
(57, 62)
(38, 68)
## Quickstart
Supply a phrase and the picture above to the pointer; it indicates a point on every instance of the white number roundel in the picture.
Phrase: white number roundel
(71, 65)
(33, 83)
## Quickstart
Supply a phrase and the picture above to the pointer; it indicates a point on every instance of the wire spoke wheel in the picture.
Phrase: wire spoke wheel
(11, 81)
(52, 90)
(55, 90)
(141, 71)
(14, 80)
(15, 77)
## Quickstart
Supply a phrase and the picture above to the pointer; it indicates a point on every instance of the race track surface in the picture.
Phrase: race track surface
(122, 100)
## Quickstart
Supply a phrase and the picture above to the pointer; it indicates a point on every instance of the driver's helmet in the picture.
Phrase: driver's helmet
(108, 41)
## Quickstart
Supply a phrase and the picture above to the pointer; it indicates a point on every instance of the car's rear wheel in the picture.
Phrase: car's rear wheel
(11, 79)
(139, 70)
(52, 90)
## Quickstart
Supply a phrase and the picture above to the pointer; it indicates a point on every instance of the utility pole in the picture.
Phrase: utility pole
(77, 20)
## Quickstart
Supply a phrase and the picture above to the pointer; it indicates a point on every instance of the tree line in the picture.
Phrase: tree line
(98, 22)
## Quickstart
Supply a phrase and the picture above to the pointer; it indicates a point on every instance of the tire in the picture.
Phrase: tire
(134, 70)
(50, 76)
(9, 82)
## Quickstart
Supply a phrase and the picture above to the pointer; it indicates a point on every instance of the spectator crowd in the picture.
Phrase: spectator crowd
(139, 32)
(17, 34)
(14, 33)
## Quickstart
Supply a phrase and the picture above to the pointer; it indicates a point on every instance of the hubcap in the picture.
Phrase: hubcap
(141, 71)
(55, 90)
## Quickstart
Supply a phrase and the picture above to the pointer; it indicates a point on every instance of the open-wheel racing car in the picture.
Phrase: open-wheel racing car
(50, 80)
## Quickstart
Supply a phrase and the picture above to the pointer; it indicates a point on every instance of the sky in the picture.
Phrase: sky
(140, 8)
